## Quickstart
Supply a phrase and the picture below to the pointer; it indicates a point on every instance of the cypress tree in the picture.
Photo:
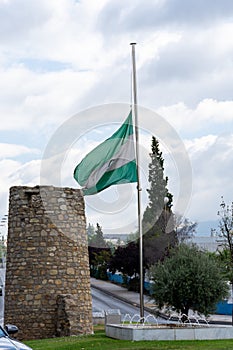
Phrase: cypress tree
(158, 221)
(158, 187)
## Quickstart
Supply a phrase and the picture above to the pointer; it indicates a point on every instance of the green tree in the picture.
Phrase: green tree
(185, 228)
(99, 254)
(226, 235)
(159, 239)
(97, 240)
(158, 187)
(226, 240)
(101, 262)
(224, 257)
(158, 219)
(90, 231)
(126, 261)
(188, 279)
(96, 257)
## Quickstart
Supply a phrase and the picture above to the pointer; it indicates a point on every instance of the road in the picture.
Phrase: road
(103, 302)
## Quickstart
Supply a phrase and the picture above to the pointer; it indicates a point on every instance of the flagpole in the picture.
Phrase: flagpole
(135, 107)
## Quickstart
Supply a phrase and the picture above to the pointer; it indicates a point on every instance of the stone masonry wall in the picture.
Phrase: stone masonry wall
(47, 256)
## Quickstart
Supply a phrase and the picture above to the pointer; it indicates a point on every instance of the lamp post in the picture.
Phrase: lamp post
(165, 200)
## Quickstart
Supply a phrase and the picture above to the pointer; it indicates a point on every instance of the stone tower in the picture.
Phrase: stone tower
(47, 290)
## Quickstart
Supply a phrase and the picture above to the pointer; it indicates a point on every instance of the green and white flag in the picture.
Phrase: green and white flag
(110, 163)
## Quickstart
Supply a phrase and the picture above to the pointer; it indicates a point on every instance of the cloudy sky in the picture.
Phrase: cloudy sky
(59, 58)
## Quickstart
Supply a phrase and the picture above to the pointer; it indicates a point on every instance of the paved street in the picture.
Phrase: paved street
(133, 298)
(102, 303)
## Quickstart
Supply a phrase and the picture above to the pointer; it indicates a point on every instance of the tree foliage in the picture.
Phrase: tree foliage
(158, 221)
(223, 256)
(126, 259)
(158, 187)
(158, 240)
(90, 231)
(226, 235)
(99, 254)
(97, 240)
(100, 264)
(188, 279)
(185, 228)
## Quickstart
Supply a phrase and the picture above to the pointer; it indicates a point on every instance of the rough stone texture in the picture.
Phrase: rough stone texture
(67, 322)
(47, 259)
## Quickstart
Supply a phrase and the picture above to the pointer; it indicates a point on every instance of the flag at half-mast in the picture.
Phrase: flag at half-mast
(110, 163)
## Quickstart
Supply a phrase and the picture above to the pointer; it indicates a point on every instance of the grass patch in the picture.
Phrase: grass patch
(98, 341)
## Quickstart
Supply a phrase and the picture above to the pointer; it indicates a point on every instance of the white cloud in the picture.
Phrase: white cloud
(212, 159)
(125, 17)
(61, 56)
(8, 168)
(28, 174)
(54, 30)
(209, 115)
(15, 173)
(33, 101)
(196, 146)
(14, 150)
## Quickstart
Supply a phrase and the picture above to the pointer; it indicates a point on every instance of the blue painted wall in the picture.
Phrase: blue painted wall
(223, 308)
